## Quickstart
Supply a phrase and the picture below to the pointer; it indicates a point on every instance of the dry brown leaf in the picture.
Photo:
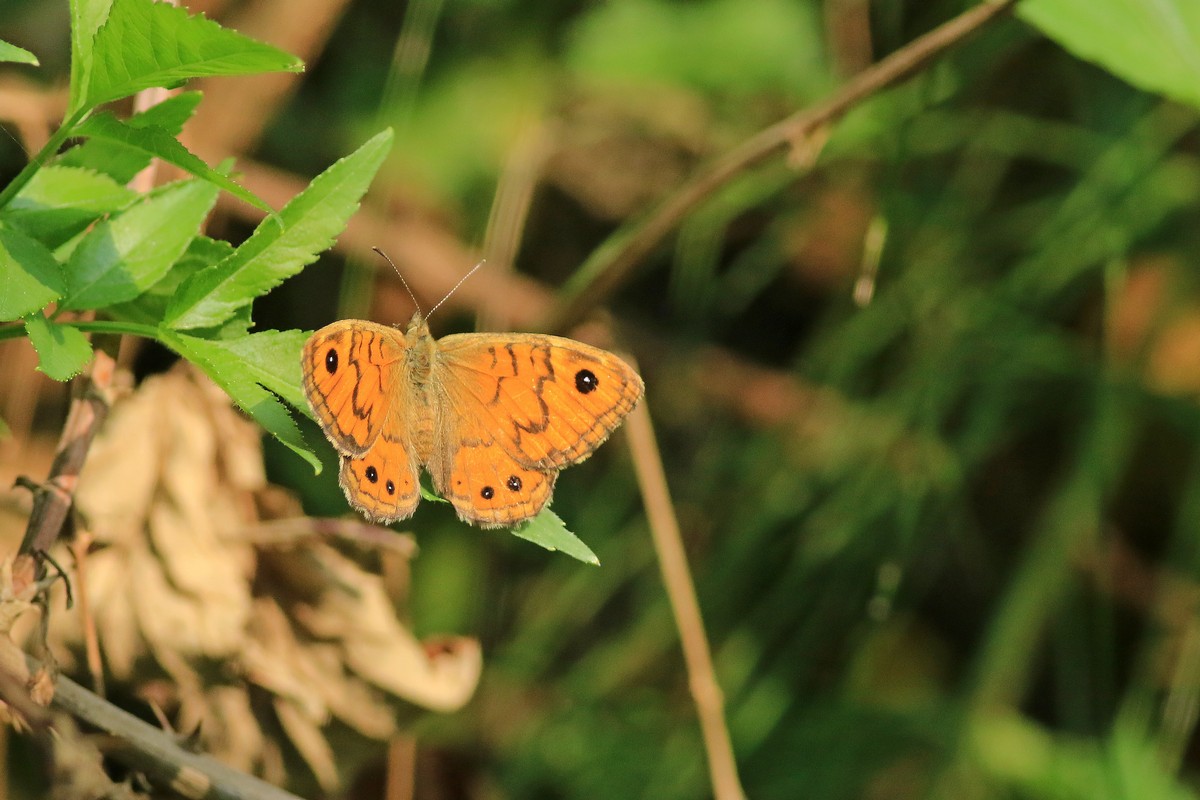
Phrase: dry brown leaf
(174, 590)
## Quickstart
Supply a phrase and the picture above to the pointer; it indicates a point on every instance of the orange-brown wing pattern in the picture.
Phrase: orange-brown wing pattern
(548, 402)
(488, 487)
(382, 483)
(350, 370)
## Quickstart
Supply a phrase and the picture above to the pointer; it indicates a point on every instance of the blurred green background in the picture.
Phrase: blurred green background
(928, 408)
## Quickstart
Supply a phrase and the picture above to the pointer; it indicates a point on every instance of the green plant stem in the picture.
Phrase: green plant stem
(49, 149)
(95, 326)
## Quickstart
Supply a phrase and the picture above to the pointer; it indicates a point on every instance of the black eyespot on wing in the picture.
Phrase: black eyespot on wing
(487, 493)
(331, 361)
(586, 381)
(372, 474)
(514, 483)
(391, 487)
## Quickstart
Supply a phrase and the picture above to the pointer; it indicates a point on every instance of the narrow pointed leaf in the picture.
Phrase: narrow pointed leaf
(30, 277)
(144, 44)
(14, 54)
(86, 18)
(240, 371)
(60, 202)
(148, 307)
(277, 250)
(127, 254)
(273, 358)
(159, 142)
(122, 162)
(549, 531)
(62, 350)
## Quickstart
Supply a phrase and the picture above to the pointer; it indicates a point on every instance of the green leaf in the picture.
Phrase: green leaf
(121, 162)
(86, 18)
(273, 358)
(547, 530)
(148, 307)
(1153, 45)
(307, 225)
(156, 141)
(144, 44)
(62, 350)
(30, 276)
(60, 202)
(127, 254)
(238, 367)
(12, 53)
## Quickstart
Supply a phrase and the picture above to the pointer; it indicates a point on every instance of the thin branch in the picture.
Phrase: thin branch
(156, 755)
(677, 577)
(90, 403)
(614, 261)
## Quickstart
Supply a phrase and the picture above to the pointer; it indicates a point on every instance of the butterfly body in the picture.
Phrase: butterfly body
(492, 417)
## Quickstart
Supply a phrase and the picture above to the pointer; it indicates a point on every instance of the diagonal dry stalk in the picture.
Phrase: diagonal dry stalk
(615, 260)
(681, 592)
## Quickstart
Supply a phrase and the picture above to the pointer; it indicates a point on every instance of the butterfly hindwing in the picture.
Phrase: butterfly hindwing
(382, 483)
(487, 486)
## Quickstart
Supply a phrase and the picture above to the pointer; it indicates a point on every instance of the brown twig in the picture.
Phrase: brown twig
(614, 261)
(672, 560)
(91, 400)
(156, 755)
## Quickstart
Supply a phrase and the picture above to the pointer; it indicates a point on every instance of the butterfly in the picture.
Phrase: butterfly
(492, 417)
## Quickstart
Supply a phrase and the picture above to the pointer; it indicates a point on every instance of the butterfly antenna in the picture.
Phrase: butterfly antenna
(461, 281)
(401, 277)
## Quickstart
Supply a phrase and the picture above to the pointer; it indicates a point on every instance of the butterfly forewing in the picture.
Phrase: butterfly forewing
(349, 369)
(548, 401)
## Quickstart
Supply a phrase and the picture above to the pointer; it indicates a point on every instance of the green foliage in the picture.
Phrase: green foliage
(10, 52)
(71, 233)
(716, 46)
(124, 46)
(34, 279)
(127, 253)
(1152, 45)
(63, 351)
(944, 534)
(156, 142)
(306, 227)
(548, 531)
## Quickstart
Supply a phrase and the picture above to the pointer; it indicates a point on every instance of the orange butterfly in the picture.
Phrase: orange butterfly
(493, 417)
